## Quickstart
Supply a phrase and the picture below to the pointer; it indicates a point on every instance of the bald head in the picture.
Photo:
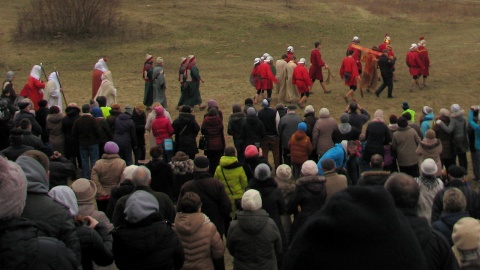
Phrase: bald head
(141, 176)
(376, 161)
(404, 190)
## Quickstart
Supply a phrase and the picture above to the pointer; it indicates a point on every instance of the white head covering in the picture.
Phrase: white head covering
(290, 49)
(36, 72)
(413, 46)
(9, 76)
(256, 61)
(102, 65)
(53, 77)
(66, 197)
(356, 39)
(302, 60)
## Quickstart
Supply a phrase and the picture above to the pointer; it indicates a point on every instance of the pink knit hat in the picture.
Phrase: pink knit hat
(251, 151)
(159, 110)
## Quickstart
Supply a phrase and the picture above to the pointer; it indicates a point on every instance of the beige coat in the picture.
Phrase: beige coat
(200, 240)
(292, 93)
(107, 89)
(335, 183)
(55, 132)
(430, 148)
(107, 173)
(405, 142)
(322, 134)
(281, 86)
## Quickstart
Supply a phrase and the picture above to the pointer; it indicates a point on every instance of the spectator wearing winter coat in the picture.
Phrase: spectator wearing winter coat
(322, 132)
(286, 127)
(345, 131)
(162, 173)
(124, 188)
(232, 175)
(212, 129)
(253, 130)
(426, 120)
(150, 118)
(32, 140)
(235, 122)
(456, 176)
(271, 141)
(41, 117)
(334, 182)
(454, 204)
(142, 179)
(338, 153)
(125, 137)
(72, 150)
(254, 240)
(60, 170)
(146, 241)
(105, 131)
(94, 237)
(447, 157)
(182, 167)
(407, 195)
(25, 107)
(309, 196)
(140, 119)
(404, 143)
(85, 191)
(377, 136)
(186, 130)
(310, 119)
(300, 148)
(412, 124)
(17, 147)
(373, 212)
(429, 185)
(106, 173)
(199, 237)
(253, 157)
(376, 176)
(476, 139)
(465, 239)
(54, 129)
(357, 119)
(52, 219)
(430, 147)
(20, 245)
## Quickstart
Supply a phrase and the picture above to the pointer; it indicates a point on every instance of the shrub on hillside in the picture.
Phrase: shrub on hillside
(68, 18)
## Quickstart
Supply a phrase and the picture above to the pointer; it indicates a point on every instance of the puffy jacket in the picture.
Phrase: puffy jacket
(96, 245)
(235, 123)
(162, 129)
(200, 240)
(186, 131)
(107, 172)
(212, 129)
(253, 130)
(55, 133)
(300, 147)
(125, 135)
(231, 173)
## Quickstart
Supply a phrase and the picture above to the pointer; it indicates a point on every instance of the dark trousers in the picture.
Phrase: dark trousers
(239, 146)
(447, 162)
(286, 156)
(413, 170)
(214, 158)
(139, 153)
(387, 81)
(271, 143)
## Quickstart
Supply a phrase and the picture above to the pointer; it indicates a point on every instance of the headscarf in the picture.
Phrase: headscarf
(54, 77)
(66, 197)
(9, 76)
(378, 116)
(36, 72)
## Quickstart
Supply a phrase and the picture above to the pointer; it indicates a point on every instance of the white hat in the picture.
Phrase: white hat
(270, 58)
(251, 200)
(355, 38)
(309, 109)
(309, 167)
(265, 55)
(428, 167)
(290, 49)
(256, 61)
(413, 46)
(302, 60)
(324, 112)
(455, 108)
(148, 57)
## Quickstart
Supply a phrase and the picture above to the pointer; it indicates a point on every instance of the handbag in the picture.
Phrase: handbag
(168, 144)
(238, 202)
(202, 143)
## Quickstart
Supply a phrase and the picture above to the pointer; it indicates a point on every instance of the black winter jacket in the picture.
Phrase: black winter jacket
(125, 135)
(186, 139)
(473, 200)
(96, 245)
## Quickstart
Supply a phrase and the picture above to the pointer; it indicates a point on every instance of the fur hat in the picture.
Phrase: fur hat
(309, 109)
(159, 110)
(455, 108)
(402, 122)
(140, 106)
(456, 171)
(251, 200)
(466, 234)
(344, 118)
(430, 134)
(328, 164)
(251, 151)
(111, 148)
(428, 167)
(201, 163)
(309, 167)
(180, 156)
(85, 190)
(128, 172)
(302, 126)
(324, 112)
(405, 106)
(262, 172)
(13, 189)
(140, 205)
(284, 172)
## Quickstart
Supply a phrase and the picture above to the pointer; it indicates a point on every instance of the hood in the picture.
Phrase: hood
(139, 206)
(238, 116)
(186, 117)
(189, 223)
(212, 120)
(107, 75)
(451, 218)
(54, 78)
(55, 118)
(124, 116)
(36, 72)
(299, 135)
(37, 180)
(229, 162)
(428, 144)
(428, 117)
(314, 183)
(252, 222)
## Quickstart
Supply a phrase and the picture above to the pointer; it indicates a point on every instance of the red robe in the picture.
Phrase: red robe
(349, 65)
(301, 79)
(289, 56)
(256, 78)
(96, 81)
(317, 64)
(423, 53)
(414, 63)
(357, 55)
(266, 75)
(34, 94)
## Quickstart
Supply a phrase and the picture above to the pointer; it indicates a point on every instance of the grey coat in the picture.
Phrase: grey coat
(287, 126)
(458, 128)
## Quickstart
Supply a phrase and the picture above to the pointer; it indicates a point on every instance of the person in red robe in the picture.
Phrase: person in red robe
(289, 53)
(302, 80)
(99, 69)
(386, 45)
(349, 73)
(35, 93)
(415, 65)
(255, 80)
(423, 53)
(267, 77)
(357, 54)
(317, 63)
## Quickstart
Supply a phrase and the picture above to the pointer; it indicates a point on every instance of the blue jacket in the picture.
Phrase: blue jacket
(426, 123)
(337, 153)
(476, 128)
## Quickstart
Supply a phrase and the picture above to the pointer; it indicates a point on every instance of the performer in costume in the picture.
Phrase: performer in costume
(53, 92)
(267, 76)
(349, 72)
(281, 68)
(292, 93)
(423, 52)
(99, 69)
(35, 93)
(357, 54)
(387, 44)
(159, 83)
(107, 89)
(302, 80)
(183, 84)
(289, 53)
(257, 83)
(192, 79)
(316, 67)
(147, 77)
(369, 74)
(415, 65)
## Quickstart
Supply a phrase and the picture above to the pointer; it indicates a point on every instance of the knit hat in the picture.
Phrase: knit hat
(180, 156)
(393, 119)
(85, 190)
(324, 112)
(284, 172)
(262, 172)
(405, 106)
(201, 162)
(402, 122)
(428, 167)
(140, 106)
(128, 109)
(212, 103)
(128, 172)
(265, 103)
(330, 240)
(309, 167)
(344, 118)
(427, 110)
(13, 189)
(111, 148)
(159, 110)
(140, 205)
(251, 151)
(66, 197)
(455, 108)
(302, 126)
(148, 57)
(251, 111)
(309, 109)
(456, 171)
(251, 200)
(96, 112)
(430, 134)
(23, 104)
(328, 164)
(466, 234)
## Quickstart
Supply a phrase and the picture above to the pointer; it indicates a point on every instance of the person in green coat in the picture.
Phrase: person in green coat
(230, 172)
(192, 80)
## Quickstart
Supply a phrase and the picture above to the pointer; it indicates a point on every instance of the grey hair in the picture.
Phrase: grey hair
(141, 176)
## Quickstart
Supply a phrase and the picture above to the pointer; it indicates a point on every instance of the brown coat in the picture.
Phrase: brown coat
(55, 132)
(405, 141)
(300, 147)
(107, 173)
(430, 148)
(200, 240)
(335, 182)
(322, 134)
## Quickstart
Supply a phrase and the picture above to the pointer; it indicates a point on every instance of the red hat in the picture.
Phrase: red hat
(251, 151)
(422, 38)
